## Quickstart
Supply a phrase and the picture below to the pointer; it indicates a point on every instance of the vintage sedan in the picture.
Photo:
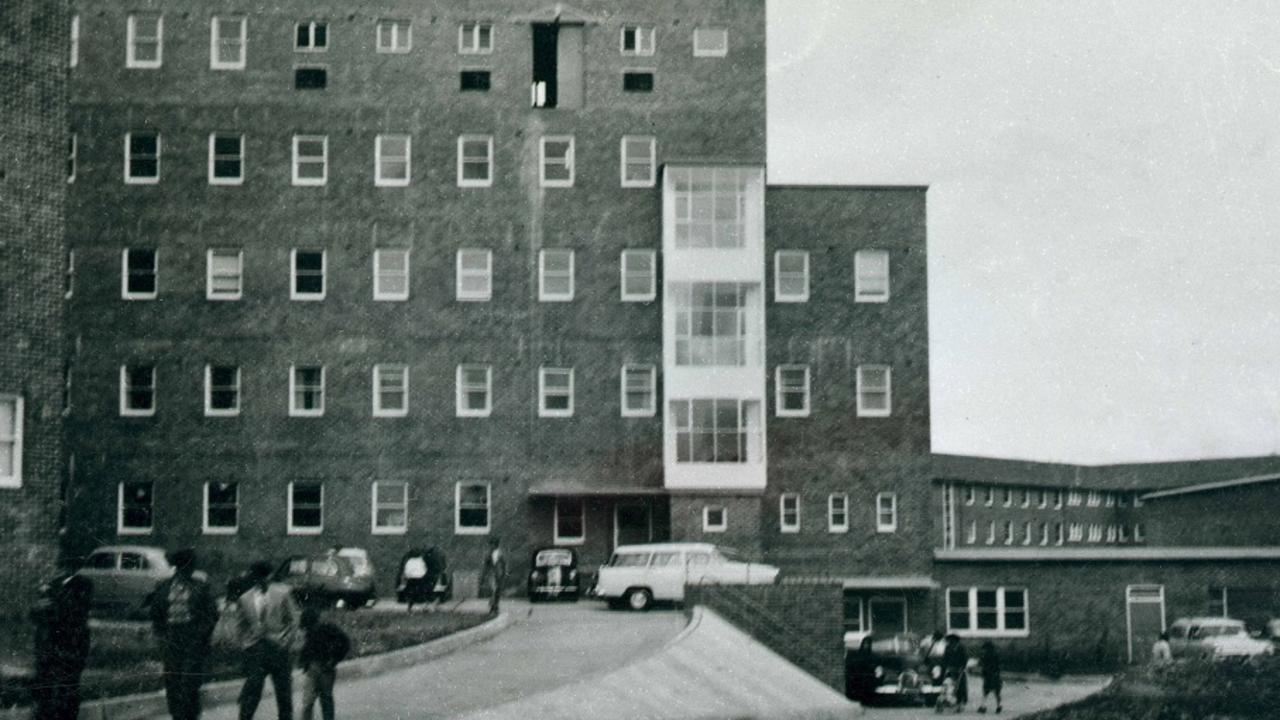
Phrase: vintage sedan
(1214, 637)
(638, 575)
(893, 668)
(327, 579)
(553, 574)
(124, 576)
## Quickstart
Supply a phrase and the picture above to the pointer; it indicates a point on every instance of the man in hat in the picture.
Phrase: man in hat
(183, 614)
(268, 620)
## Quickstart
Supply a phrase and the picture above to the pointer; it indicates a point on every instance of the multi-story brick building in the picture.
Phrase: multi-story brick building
(33, 152)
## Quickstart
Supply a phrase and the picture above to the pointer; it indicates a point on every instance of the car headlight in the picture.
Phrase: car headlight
(879, 671)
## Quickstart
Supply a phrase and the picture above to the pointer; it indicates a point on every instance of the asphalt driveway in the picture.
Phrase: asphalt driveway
(1021, 697)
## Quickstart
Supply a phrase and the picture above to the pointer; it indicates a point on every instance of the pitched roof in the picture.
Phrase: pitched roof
(1149, 476)
(1211, 486)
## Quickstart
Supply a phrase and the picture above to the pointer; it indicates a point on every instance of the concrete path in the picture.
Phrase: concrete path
(1021, 697)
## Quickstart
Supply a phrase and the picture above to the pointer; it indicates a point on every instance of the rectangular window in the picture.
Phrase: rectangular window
(74, 59)
(789, 513)
(307, 269)
(1095, 533)
(570, 521)
(639, 390)
(73, 146)
(1075, 532)
(310, 77)
(226, 158)
(306, 391)
(471, 504)
(142, 157)
(717, 431)
(714, 519)
(987, 612)
(838, 513)
(1026, 498)
(1094, 499)
(887, 512)
(710, 42)
(874, 392)
(1027, 532)
(137, 390)
(791, 391)
(1109, 499)
(871, 276)
(145, 43)
(135, 513)
(475, 161)
(711, 206)
(474, 275)
(306, 508)
(221, 390)
(1074, 498)
(1044, 534)
(637, 81)
(475, 38)
(390, 512)
(390, 390)
(991, 497)
(310, 159)
(311, 36)
(639, 161)
(790, 276)
(970, 495)
(991, 533)
(1042, 499)
(1058, 536)
(711, 323)
(555, 392)
(391, 274)
(395, 36)
(556, 162)
(637, 40)
(139, 273)
(1057, 499)
(1008, 497)
(11, 422)
(474, 81)
(391, 160)
(224, 271)
(555, 275)
(474, 390)
(221, 508)
(971, 535)
(639, 275)
(228, 37)
(69, 275)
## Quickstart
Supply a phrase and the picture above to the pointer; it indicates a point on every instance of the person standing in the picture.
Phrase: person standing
(61, 618)
(955, 662)
(326, 645)
(1161, 653)
(493, 575)
(183, 615)
(414, 582)
(268, 619)
(989, 659)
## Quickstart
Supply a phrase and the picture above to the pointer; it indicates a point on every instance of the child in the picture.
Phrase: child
(991, 682)
(323, 649)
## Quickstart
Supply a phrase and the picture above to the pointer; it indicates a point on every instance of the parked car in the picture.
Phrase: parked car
(894, 668)
(327, 579)
(362, 565)
(553, 574)
(442, 590)
(1214, 637)
(124, 576)
(637, 575)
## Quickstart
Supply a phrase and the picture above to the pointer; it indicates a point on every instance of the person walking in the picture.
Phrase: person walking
(493, 575)
(183, 615)
(325, 646)
(955, 662)
(268, 619)
(414, 582)
(61, 618)
(989, 659)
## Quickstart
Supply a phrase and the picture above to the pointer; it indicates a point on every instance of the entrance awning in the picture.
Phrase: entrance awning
(901, 582)
(554, 488)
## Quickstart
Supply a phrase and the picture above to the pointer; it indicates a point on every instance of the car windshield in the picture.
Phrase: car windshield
(629, 560)
(1219, 631)
(554, 557)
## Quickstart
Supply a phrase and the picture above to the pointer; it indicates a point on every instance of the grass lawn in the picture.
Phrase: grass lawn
(124, 660)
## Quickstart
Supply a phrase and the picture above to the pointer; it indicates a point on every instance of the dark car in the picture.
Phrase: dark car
(437, 581)
(327, 579)
(894, 668)
(553, 574)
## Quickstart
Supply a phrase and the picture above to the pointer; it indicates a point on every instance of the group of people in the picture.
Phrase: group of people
(955, 666)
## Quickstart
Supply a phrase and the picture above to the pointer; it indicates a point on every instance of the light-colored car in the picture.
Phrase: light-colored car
(637, 575)
(123, 576)
(1214, 637)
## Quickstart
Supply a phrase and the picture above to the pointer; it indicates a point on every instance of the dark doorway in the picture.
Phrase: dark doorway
(632, 523)
(545, 53)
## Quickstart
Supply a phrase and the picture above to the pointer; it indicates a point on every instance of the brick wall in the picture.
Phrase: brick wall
(1228, 516)
(742, 521)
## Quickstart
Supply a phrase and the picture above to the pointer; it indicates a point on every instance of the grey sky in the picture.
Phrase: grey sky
(1104, 213)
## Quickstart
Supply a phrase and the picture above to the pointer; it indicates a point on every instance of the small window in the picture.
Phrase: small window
(227, 41)
(306, 391)
(1058, 534)
(390, 512)
(142, 158)
(991, 533)
(137, 390)
(145, 42)
(221, 508)
(1057, 499)
(308, 270)
(871, 276)
(474, 275)
(790, 276)
(226, 158)
(391, 160)
(639, 161)
(1044, 534)
(556, 161)
(139, 276)
(1027, 532)
(1042, 497)
(838, 513)
(637, 81)
(874, 394)
(789, 513)
(395, 36)
(639, 390)
(1074, 498)
(971, 535)
(69, 275)
(11, 423)
(715, 519)
(474, 390)
(991, 497)
(1008, 497)
(135, 508)
(475, 38)
(710, 42)
(224, 274)
(391, 274)
(637, 40)
(74, 58)
(970, 495)
(475, 161)
(639, 275)
(570, 521)
(555, 392)
(555, 275)
(474, 81)
(471, 503)
(73, 147)
(310, 159)
(887, 512)
(310, 77)
(390, 390)
(221, 390)
(306, 508)
(1094, 499)
(311, 36)
(1008, 532)
(791, 391)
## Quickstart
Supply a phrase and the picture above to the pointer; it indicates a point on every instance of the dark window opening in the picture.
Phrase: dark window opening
(558, 66)
(545, 52)
(310, 78)
(477, 80)
(637, 82)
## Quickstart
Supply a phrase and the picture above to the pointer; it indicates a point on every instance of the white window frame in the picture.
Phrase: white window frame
(543, 410)
(991, 533)
(785, 527)
(461, 273)
(129, 177)
(460, 391)
(841, 499)
(652, 372)
(205, 527)
(1001, 611)
(395, 26)
(211, 411)
(1026, 497)
(700, 48)
(990, 499)
(299, 160)
(379, 292)
(131, 51)
(1057, 499)
(1059, 534)
(543, 294)
(293, 276)
(311, 36)
(887, 410)
(304, 529)
(215, 42)
(1044, 499)
(73, 151)
(779, 276)
(213, 158)
(472, 45)
(125, 293)
(121, 529)
(864, 283)
(1027, 532)
(568, 162)
(641, 33)
(971, 535)
(559, 539)
(628, 161)
(458, 528)
(722, 526)
(379, 180)
(779, 408)
(891, 525)
(1044, 534)
(210, 293)
(970, 495)
(74, 59)
(1094, 499)
(1008, 497)
(14, 479)
(374, 506)
(1008, 532)
(294, 410)
(463, 140)
(377, 374)
(69, 276)
(125, 409)
(625, 271)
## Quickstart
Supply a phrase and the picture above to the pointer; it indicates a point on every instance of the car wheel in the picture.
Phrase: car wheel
(639, 599)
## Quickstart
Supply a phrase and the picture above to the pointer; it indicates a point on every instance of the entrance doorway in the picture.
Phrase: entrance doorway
(888, 615)
(1145, 618)
(632, 523)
